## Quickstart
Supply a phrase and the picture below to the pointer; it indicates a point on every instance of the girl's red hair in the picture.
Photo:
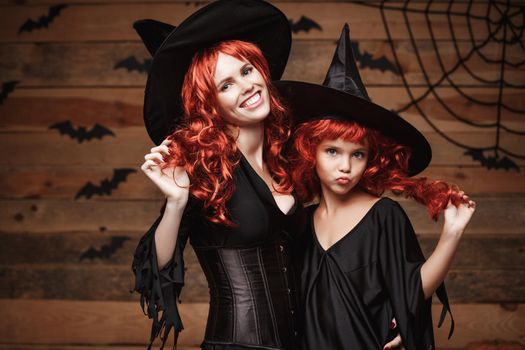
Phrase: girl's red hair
(386, 170)
(203, 144)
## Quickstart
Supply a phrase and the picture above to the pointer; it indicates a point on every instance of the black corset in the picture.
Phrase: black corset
(252, 296)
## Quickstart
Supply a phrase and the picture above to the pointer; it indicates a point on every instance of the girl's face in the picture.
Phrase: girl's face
(241, 91)
(340, 165)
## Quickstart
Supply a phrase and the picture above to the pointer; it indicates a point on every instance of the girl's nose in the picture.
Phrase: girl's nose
(345, 166)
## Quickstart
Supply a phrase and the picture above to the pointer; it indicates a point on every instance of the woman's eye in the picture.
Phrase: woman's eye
(225, 87)
(247, 70)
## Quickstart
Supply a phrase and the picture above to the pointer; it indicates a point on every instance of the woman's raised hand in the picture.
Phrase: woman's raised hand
(172, 181)
(457, 216)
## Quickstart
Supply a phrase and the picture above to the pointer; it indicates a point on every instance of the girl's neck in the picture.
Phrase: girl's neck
(331, 203)
(250, 141)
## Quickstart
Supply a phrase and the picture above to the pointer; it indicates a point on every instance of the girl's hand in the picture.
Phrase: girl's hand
(458, 216)
(173, 182)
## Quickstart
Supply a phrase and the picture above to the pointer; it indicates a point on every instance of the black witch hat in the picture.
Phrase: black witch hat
(173, 48)
(343, 96)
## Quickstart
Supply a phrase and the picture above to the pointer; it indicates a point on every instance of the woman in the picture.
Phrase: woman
(362, 264)
(222, 173)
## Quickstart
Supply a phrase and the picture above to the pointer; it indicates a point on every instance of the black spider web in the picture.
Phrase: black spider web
(505, 25)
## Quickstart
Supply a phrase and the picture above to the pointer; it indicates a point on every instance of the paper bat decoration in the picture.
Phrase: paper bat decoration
(106, 186)
(43, 21)
(304, 24)
(106, 251)
(492, 162)
(131, 63)
(367, 61)
(195, 3)
(7, 88)
(81, 133)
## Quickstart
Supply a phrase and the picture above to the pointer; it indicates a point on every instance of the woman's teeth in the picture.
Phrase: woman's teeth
(251, 100)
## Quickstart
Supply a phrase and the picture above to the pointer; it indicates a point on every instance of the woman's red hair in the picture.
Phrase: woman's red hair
(387, 166)
(203, 143)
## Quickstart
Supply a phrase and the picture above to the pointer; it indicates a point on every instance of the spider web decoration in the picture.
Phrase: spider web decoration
(494, 43)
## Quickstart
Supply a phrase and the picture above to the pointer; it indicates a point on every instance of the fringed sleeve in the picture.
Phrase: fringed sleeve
(160, 289)
(401, 261)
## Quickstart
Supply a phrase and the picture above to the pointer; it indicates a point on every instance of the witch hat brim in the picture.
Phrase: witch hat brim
(254, 21)
(346, 99)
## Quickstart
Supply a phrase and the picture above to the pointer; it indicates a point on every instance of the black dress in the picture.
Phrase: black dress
(251, 281)
(352, 291)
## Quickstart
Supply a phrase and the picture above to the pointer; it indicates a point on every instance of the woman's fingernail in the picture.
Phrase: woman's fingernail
(386, 347)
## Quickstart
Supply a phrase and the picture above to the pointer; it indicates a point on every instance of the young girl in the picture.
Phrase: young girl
(362, 265)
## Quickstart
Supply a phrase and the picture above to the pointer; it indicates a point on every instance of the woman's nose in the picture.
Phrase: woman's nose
(246, 85)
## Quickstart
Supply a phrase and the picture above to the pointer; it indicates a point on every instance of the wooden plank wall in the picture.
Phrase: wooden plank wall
(54, 294)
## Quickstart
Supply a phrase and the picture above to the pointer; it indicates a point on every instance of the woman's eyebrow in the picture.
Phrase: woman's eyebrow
(229, 77)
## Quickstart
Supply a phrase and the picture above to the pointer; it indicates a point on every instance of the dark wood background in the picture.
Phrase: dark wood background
(52, 298)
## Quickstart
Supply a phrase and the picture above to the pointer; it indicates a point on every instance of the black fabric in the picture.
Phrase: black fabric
(252, 284)
(352, 291)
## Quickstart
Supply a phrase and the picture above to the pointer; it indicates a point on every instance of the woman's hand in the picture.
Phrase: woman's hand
(173, 182)
(397, 342)
(457, 216)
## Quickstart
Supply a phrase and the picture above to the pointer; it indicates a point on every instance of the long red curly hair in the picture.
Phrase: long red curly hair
(386, 170)
(204, 146)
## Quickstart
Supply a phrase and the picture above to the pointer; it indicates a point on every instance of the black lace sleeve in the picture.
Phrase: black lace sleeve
(160, 289)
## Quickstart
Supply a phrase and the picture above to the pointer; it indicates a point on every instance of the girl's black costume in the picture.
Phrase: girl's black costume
(248, 269)
(252, 293)
(353, 290)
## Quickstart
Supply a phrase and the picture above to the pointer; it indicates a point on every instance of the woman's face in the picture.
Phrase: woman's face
(241, 91)
(340, 165)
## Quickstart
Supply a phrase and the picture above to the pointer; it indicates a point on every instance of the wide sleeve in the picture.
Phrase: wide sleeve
(160, 289)
(401, 259)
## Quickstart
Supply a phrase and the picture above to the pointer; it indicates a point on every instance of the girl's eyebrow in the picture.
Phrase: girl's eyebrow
(229, 77)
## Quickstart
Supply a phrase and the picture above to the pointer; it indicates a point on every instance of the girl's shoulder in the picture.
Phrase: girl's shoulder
(388, 208)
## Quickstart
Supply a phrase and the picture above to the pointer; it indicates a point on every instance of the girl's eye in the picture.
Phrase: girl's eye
(359, 155)
(247, 70)
(331, 151)
(225, 86)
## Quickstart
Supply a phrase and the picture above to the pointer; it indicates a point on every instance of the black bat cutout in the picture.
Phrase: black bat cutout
(491, 162)
(43, 21)
(106, 251)
(367, 61)
(106, 186)
(81, 133)
(131, 63)
(195, 3)
(304, 24)
(7, 88)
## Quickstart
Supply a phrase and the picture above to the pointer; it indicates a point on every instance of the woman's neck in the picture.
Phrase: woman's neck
(250, 141)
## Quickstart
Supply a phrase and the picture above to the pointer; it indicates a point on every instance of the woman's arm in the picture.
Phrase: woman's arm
(174, 184)
(435, 269)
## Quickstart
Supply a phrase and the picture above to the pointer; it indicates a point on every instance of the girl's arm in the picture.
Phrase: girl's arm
(435, 269)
